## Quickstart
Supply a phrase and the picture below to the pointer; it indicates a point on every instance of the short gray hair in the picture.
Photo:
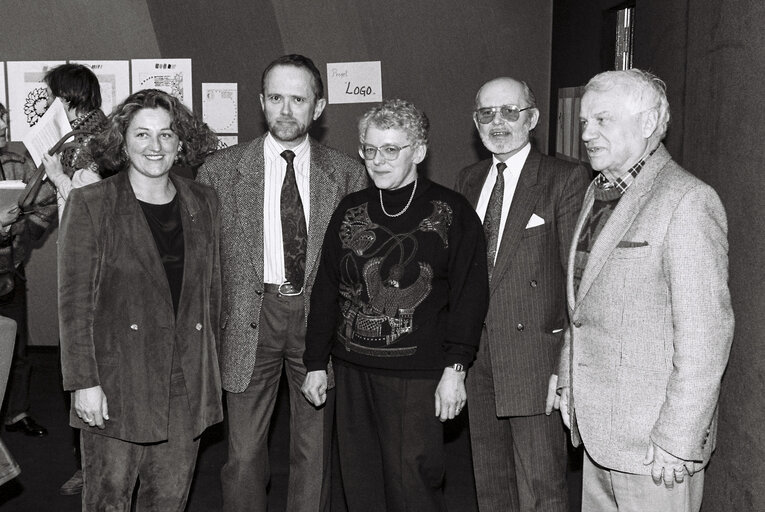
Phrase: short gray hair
(398, 114)
(646, 91)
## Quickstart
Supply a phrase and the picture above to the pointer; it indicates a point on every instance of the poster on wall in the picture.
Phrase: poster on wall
(219, 107)
(3, 99)
(27, 94)
(227, 141)
(569, 145)
(114, 78)
(170, 75)
(354, 82)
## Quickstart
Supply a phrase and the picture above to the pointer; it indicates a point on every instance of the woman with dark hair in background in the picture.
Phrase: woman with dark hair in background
(78, 89)
(139, 302)
(17, 231)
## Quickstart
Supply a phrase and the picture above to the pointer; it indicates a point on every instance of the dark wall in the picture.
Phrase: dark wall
(434, 53)
(711, 54)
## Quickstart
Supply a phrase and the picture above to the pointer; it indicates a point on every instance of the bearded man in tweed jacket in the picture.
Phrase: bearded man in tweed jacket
(264, 315)
(651, 322)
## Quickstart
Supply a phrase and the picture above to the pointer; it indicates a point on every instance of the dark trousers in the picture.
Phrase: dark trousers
(14, 305)
(246, 473)
(519, 462)
(390, 441)
(111, 466)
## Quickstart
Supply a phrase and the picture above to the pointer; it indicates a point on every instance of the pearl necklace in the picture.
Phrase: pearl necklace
(408, 203)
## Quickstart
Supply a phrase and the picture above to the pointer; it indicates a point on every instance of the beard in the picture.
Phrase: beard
(286, 129)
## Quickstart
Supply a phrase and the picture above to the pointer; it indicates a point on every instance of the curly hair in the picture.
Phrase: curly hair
(197, 140)
(399, 114)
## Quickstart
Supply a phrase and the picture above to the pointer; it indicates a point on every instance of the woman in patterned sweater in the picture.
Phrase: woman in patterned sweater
(399, 302)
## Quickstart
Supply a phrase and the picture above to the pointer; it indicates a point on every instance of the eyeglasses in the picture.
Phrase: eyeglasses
(507, 112)
(389, 151)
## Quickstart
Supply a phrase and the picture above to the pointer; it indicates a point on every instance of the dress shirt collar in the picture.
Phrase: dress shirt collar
(623, 183)
(274, 150)
(515, 162)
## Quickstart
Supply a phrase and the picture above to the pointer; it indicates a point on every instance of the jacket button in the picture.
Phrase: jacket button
(519, 327)
(577, 323)
(199, 327)
(533, 283)
(134, 327)
(253, 324)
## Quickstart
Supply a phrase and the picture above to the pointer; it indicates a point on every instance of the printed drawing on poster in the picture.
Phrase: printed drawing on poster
(219, 107)
(170, 75)
(114, 79)
(226, 141)
(27, 94)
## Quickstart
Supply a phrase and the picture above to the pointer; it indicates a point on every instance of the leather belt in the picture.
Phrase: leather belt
(285, 289)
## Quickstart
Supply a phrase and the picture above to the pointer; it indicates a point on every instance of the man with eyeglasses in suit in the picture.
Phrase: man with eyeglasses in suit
(529, 204)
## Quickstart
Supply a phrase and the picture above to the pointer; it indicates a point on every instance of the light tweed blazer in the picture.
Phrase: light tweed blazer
(237, 174)
(651, 323)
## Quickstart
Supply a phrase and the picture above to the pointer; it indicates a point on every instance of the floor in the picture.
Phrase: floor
(48, 462)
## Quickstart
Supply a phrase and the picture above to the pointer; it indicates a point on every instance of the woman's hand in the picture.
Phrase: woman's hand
(450, 394)
(53, 167)
(90, 406)
(315, 387)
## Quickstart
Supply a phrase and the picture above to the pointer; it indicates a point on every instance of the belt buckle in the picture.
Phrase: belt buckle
(288, 289)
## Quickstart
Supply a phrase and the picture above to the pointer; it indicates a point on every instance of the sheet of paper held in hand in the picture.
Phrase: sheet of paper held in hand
(49, 129)
(10, 191)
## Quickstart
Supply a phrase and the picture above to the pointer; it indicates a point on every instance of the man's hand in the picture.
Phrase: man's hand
(565, 391)
(315, 387)
(90, 406)
(667, 468)
(450, 394)
(553, 398)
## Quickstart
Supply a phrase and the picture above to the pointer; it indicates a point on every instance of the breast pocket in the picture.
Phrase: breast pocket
(642, 251)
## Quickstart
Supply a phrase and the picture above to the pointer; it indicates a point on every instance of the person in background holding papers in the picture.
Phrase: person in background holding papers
(78, 89)
(19, 229)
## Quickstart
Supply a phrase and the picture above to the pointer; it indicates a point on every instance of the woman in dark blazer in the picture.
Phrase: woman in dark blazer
(139, 300)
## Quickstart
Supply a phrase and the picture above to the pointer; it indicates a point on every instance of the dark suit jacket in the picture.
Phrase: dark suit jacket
(238, 176)
(118, 327)
(527, 302)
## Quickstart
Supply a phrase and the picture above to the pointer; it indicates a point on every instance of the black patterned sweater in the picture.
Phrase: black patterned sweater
(405, 295)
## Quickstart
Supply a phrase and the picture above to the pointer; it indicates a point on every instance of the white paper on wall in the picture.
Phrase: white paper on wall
(3, 98)
(220, 107)
(354, 82)
(228, 140)
(114, 78)
(170, 75)
(27, 94)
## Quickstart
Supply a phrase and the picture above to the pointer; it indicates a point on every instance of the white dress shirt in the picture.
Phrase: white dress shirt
(276, 168)
(512, 173)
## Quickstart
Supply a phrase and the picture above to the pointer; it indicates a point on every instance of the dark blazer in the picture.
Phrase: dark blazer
(118, 328)
(238, 176)
(527, 301)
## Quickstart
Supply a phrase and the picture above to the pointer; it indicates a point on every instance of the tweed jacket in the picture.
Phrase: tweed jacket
(238, 176)
(651, 323)
(117, 323)
(527, 307)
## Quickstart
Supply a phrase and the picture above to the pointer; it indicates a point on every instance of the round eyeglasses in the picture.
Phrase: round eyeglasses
(510, 113)
(389, 151)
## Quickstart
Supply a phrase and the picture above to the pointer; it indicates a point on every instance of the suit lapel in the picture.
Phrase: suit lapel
(194, 246)
(249, 192)
(524, 200)
(475, 181)
(621, 219)
(323, 190)
(135, 229)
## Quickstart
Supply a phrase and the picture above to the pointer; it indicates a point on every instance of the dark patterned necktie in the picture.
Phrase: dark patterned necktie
(493, 216)
(294, 232)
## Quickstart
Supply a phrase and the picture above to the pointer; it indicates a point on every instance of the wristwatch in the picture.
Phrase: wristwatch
(457, 367)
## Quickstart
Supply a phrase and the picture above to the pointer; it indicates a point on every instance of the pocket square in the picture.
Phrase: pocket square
(626, 244)
(535, 221)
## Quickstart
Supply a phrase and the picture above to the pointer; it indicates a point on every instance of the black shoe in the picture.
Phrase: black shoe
(29, 426)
